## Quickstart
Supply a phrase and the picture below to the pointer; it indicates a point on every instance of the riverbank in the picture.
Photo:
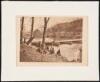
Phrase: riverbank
(30, 54)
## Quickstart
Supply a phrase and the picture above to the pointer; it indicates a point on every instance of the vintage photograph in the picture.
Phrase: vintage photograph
(50, 39)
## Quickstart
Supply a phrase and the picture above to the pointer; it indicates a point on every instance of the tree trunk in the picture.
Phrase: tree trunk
(31, 36)
(32, 27)
(30, 40)
(21, 31)
(44, 32)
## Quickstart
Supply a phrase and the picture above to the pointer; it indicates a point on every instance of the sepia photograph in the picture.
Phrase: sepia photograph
(50, 39)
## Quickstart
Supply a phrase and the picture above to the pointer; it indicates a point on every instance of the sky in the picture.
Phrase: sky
(39, 22)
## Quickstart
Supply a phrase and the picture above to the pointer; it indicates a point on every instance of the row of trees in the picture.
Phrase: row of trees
(22, 39)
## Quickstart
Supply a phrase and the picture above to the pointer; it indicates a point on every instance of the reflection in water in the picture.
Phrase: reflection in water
(71, 52)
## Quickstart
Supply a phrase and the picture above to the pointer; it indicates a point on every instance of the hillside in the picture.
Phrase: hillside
(66, 30)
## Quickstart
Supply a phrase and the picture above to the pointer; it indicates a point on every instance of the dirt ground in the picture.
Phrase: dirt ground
(30, 54)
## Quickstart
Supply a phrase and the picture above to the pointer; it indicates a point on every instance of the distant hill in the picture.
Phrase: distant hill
(38, 33)
(66, 30)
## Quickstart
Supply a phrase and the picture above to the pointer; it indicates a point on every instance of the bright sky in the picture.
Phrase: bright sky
(39, 22)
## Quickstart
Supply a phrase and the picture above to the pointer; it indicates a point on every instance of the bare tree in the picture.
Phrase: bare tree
(32, 27)
(31, 36)
(46, 19)
(21, 31)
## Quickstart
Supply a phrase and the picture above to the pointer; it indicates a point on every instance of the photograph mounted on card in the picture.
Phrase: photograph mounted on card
(44, 41)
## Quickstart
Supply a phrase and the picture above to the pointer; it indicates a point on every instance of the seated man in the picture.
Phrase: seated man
(58, 53)
(51, 50)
